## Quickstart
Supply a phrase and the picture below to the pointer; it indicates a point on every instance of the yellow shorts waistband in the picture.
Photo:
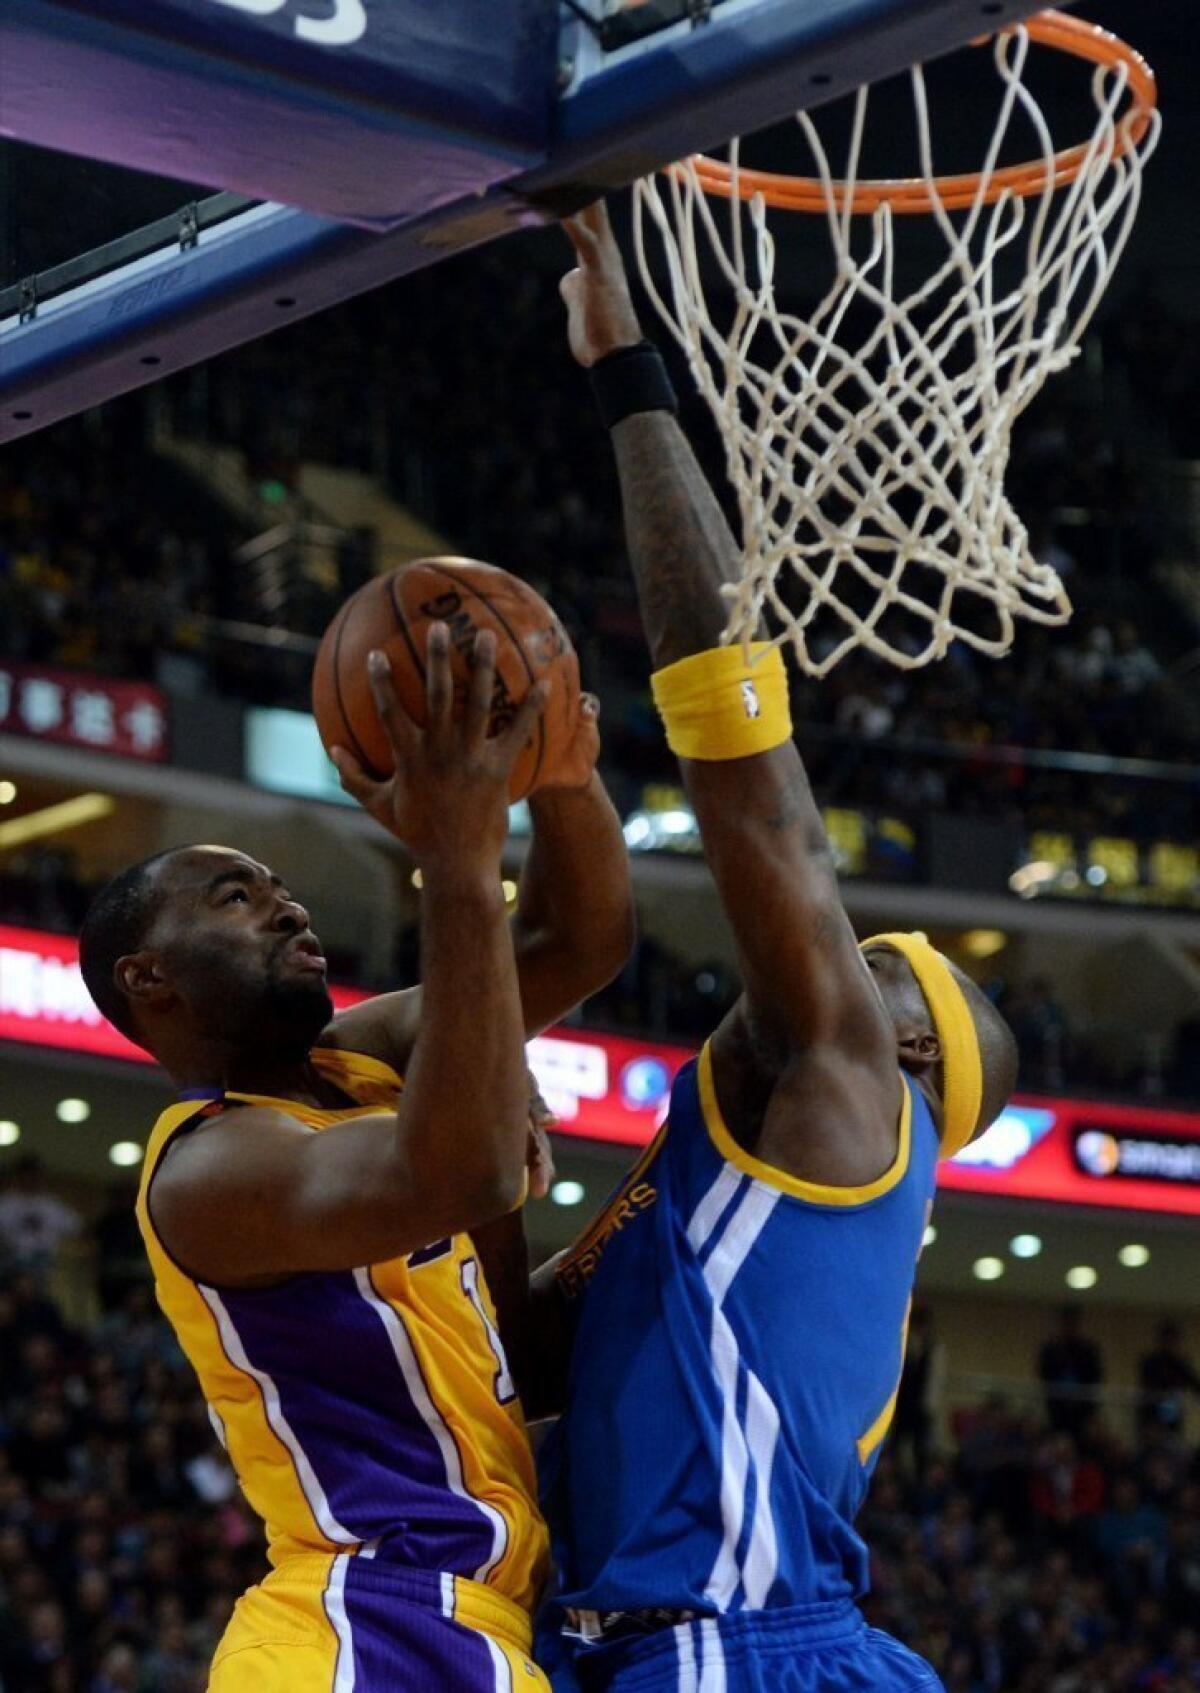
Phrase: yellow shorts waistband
(457, 1596)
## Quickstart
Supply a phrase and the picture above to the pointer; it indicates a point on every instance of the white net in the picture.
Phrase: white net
(868, 441)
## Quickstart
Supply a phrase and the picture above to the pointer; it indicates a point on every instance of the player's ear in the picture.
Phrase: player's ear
(140, 977)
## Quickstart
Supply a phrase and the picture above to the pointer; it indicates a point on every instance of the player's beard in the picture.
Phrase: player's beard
(296, 1010)
(267, 1007)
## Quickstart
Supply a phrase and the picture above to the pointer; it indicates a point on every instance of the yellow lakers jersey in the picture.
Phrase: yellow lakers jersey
(367, 1410)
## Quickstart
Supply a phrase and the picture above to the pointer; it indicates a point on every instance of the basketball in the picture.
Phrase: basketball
(394, 613)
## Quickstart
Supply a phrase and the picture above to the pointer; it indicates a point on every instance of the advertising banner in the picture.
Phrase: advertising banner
(615, 1089)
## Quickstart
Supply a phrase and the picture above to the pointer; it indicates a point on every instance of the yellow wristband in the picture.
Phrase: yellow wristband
(715, 705)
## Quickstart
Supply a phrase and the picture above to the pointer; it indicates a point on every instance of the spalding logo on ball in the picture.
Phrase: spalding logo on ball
(394, 613)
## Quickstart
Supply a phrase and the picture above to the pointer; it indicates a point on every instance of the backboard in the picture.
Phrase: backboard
(347, 142)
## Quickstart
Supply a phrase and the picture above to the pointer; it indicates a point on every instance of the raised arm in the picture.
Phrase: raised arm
(808, 995)
(574, 922)
(252, 1194)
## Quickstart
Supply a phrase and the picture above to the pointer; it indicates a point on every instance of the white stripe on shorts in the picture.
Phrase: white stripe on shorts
(712, 1658)
(500, 1666)
(686, 1649)
(335, 1609)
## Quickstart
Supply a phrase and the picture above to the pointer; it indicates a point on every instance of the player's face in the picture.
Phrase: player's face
(896, 985)
(900, 992)
(238, 950)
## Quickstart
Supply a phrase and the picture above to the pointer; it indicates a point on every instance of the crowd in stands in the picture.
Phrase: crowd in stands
(105, 562)
(1048, 1551)
(92, 575)
(1052, 1551)
(123, 1538)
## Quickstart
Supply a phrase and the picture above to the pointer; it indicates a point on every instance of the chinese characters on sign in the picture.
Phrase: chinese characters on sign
(77, 710)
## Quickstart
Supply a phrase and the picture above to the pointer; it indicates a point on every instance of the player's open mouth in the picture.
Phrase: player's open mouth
(306, 955)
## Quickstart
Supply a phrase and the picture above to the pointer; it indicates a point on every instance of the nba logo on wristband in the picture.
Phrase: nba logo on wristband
(751, 704)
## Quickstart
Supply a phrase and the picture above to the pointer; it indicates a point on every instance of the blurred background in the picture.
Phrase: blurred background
(167, 564)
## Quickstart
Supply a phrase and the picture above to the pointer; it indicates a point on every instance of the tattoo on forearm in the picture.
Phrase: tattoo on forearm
(793, 804)
(680, 545)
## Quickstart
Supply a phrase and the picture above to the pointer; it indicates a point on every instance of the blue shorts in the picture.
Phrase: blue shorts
(333, 1623)
(801, 1649)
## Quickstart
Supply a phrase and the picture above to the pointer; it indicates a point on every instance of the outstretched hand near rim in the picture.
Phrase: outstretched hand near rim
(601, 317)
(448, 793)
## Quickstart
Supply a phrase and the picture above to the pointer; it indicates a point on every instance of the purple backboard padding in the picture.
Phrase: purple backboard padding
(432, 104)
(436, 183)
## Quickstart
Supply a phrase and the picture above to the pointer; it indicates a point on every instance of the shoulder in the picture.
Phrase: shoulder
(215, 1136)
(823, 1115)
(383, 1029)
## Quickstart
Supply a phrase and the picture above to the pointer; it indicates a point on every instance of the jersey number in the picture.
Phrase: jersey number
(502, 1381)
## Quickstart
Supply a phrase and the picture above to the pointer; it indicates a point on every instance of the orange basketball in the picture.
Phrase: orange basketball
(394, 613)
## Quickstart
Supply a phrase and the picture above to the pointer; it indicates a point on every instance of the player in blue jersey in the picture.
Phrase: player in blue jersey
(736, 1316)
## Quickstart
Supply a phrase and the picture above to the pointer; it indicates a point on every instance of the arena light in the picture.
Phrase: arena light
(1025, 1245)
(988, 1269)
(1134, 1256)
(125, 1154)
(72, 1110)
(984, 943)
(8, 792)
(1081, 1276)
(930, 1235)
(568, 1193)
(1032, 878)
(56, 819)
(10, 1132)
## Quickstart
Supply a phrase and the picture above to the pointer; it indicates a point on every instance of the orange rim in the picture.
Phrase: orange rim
(911, 194)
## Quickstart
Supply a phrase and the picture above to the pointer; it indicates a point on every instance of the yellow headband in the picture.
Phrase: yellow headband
(962, 1066)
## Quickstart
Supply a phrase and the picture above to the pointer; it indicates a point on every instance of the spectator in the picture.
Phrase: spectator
(919, 1398)
(1067, 1491)
(33, 1221)
(1165, 1376)
(118, 1243)
(1043, 1033)
(1134, 667)
(1131, 1537)
(1070, 1368)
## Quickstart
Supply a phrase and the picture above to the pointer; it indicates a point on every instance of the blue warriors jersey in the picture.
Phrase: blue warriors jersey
(369, 1413)
(739, 1337)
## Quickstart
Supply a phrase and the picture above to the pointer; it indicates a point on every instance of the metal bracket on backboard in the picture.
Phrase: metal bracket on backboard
(620, 27)
(685, 75)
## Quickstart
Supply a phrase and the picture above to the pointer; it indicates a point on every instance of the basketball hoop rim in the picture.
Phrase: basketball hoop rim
(1057, 30)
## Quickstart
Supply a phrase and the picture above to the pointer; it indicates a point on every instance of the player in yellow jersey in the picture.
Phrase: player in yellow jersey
(307, 1213)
